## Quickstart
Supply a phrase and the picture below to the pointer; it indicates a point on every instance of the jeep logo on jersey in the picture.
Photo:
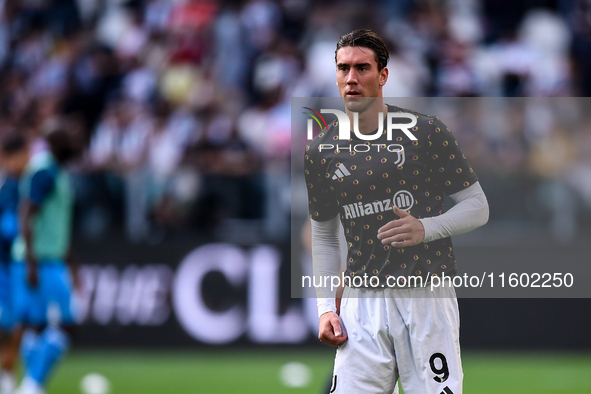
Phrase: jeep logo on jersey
(402, 199)
(345, 125)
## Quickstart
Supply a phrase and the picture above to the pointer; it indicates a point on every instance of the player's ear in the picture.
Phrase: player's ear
(383, 76)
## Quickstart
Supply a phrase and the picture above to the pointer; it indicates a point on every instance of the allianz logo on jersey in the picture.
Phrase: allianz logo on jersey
(402, 199)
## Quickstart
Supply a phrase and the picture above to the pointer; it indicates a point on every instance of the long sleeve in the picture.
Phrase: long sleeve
(326, 260)
(469, 213)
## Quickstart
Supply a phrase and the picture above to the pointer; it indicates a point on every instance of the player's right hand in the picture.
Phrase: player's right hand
(330, 330)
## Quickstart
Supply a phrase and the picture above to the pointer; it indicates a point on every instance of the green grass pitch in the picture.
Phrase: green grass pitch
(229, 371)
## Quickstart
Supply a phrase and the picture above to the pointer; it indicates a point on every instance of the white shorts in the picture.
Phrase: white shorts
(394, 333)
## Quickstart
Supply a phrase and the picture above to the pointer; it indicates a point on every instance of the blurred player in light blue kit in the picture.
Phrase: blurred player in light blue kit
(9, 338)
(42, 285)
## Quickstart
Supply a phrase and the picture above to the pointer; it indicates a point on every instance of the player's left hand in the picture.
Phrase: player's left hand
(406, 231)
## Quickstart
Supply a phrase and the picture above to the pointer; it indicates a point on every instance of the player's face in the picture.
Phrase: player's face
(358, 77)
(16, 162)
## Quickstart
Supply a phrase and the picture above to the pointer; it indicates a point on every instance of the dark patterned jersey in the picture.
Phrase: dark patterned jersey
(362, 180)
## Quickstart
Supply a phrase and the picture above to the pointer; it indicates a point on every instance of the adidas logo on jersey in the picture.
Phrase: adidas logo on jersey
(402, 199)
(341, 172)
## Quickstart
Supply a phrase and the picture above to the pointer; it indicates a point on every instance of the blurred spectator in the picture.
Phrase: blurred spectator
(120, 143)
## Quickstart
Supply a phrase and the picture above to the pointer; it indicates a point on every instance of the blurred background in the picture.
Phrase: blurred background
(183, 194)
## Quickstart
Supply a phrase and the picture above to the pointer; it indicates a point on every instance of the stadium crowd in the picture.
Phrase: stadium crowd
(184, 105)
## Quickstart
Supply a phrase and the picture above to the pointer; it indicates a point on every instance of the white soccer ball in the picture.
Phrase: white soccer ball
(295, 374)
(95, 383)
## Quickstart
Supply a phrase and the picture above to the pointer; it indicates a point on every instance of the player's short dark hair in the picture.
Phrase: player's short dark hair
(61, 145)
(367, 39)
(12, 142)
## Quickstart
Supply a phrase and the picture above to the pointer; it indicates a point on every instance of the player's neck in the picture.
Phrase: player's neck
(369, 120)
